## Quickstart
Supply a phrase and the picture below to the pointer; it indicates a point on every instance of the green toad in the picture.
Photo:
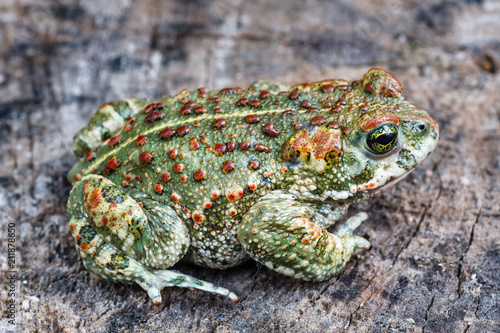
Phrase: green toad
(218, 177)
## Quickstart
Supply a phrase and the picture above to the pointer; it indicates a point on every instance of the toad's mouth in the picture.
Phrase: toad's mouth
(390, 182)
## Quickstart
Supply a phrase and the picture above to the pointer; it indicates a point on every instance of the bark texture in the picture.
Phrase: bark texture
(434, 265)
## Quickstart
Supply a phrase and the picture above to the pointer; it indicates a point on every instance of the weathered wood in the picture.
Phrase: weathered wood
(435, 261)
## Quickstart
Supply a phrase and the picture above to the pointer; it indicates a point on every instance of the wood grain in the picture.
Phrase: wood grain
(434, 265)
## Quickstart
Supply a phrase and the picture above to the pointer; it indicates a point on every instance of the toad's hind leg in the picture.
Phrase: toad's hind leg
(282, 236)
(126, 241)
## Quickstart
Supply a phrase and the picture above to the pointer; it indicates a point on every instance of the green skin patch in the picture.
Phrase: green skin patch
(217, 177)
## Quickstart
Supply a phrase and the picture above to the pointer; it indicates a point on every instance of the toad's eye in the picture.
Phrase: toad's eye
(382, 139)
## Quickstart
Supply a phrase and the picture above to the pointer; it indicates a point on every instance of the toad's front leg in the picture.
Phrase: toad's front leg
(124, 240)
(281, 235)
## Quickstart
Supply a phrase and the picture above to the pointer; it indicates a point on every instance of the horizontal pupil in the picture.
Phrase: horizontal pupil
(385, 138)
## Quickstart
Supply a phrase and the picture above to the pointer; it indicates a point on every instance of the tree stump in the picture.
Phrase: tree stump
(434, 265)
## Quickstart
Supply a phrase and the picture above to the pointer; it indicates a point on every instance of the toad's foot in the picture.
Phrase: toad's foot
(109, 264)
(346, 230)
(160, 279)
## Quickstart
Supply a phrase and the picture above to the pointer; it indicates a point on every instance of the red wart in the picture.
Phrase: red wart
(380, 82)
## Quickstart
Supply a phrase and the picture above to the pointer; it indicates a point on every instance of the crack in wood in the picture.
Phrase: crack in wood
(360, 304)
(464, 253)
(427, 313)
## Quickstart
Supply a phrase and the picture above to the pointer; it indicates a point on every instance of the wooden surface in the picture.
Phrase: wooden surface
(435, 261)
